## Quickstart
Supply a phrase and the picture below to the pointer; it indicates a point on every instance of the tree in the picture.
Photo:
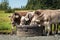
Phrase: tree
(4, 5)
(43, 4)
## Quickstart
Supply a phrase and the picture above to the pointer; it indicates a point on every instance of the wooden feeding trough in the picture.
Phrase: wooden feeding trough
(29, 30)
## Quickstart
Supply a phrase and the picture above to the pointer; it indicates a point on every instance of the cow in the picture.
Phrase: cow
(25, 20)
(36, 15)
(46, 17)
(16, 18)
(22, 18)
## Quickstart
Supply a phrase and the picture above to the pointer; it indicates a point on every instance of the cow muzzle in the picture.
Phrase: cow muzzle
(26, 19)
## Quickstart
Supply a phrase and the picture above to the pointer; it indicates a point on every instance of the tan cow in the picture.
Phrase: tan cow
(36, 15)
(46, 17)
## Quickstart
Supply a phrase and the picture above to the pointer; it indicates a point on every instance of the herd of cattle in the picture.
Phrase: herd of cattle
(39, 17)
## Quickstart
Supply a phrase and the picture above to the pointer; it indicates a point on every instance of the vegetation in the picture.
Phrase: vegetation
(5, 24)
(4, 5)
(31, 5)
(43, 4)
(9, 11)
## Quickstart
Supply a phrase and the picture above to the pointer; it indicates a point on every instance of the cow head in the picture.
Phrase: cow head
(15, 19)
(28, 17)
(22, 20)
(37, 18)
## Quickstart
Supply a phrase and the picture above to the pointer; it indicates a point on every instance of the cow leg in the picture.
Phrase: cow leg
(44, 33)
(54, 28)
(13, 31)
(50, 28)
(57, 28)
(47, 28)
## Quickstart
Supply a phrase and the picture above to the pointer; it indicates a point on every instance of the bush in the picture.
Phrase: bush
(9, 11)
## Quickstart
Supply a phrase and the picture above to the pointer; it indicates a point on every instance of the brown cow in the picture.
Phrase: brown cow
(16, 18)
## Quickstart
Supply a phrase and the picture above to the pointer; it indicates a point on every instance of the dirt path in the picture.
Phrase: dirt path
(14, 37)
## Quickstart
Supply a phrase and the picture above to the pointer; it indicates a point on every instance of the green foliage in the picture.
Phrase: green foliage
(9, 11)
(4, 5)
(17, 9)
(5, 26)
(43, 4)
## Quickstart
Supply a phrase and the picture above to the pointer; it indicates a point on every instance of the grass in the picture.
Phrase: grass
(5, 22)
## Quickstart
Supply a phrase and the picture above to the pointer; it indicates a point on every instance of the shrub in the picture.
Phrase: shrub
(9, 11)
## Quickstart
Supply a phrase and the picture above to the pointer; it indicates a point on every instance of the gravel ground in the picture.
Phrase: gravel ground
(14, 37)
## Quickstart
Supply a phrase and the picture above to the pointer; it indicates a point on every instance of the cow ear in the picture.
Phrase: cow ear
(37, 12)
(16, 16)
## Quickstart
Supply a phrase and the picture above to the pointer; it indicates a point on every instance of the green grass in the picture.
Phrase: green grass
(5, 21)
(53, 27)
